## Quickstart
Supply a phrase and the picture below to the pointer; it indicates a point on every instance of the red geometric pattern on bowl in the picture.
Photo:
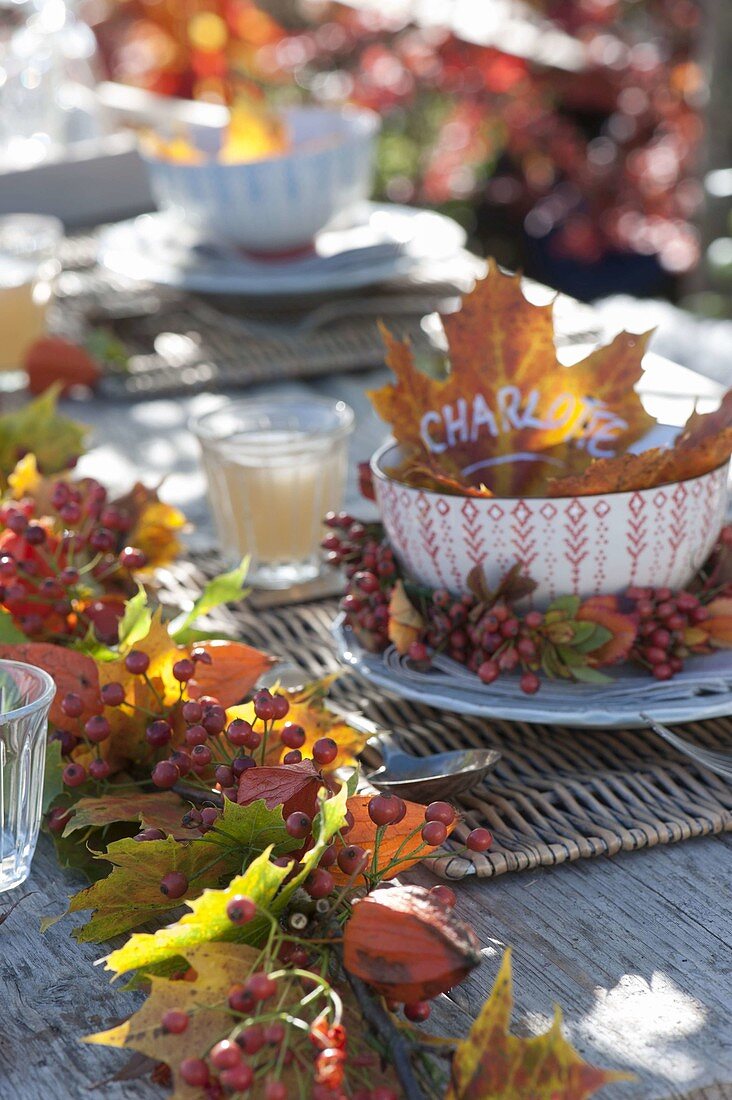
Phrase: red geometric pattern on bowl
(584, 546)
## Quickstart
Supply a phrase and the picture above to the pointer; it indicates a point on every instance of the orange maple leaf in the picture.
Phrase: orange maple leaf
(508, 413)
(492, 1064)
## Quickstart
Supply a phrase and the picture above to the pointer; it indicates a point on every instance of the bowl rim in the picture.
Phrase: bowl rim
(365, 115)
(390, 443)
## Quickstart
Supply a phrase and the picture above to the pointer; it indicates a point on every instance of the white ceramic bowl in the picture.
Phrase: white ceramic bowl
(584, 546)
(279, 203)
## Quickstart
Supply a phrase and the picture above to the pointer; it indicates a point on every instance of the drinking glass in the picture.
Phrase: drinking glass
(274, 467)
(26, 694)
(28, 246)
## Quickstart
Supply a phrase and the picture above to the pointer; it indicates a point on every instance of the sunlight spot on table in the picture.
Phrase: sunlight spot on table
(644, 1024)
(159, 414)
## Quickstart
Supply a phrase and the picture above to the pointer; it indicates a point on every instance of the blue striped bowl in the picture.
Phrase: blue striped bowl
(278, 204)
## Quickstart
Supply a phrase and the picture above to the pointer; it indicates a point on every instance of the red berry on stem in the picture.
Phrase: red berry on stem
(440, 811)
(274, 1033)
(158, 733)
(99, 769)
(320, 883)
(529, 683)
(292, 735)
(165, 774)
(241, 909)
(444, 895)
(194, 1072)
(174, 884)
(325, 750)
(264, 706)
(386, 809)
(240, 999)
(58, 819)
(281, 707)
(72, 705)
(74, 775)
(113, 694)
(196, 735)
(239, 732)
(131, 558)
(479, 840)
(261, 986)
(434, 833)
(294, 756)
(488, 672)
(298, 825)
(175, 1021)
(136, 662)
(225, 1055)
(274, 1090)
(352, 860)
(184, 670)
(149, 834)
(201, 756)
(97, 728)
(238, 1078)
(418, 1011)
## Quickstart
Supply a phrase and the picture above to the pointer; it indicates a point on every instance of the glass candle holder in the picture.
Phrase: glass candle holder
(274, 467)
(28, 247)
(26, 694)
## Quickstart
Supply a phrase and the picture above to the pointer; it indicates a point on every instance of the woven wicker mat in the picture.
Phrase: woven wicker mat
(557, 794)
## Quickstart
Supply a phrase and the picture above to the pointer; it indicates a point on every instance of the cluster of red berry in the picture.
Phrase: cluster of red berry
(69, 569)
(495, 641)
(664, 617)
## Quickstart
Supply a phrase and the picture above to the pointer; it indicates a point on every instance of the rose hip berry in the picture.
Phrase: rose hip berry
(434, 833)
(175, 1022)
(386, 809)
(325, 750)
(136, 662)
(298, 825)
(440, 811)
(241, 909)
(479, 840)
(174, 884)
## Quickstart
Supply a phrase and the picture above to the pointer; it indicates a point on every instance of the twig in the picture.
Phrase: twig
(378, 1018)
(198, 794)
(6, 913)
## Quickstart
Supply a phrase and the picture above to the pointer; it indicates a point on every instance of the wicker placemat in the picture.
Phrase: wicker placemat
(178, 342)
(557, 794)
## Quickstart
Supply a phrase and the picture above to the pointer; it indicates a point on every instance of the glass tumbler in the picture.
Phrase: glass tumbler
(26, 694)
(274, 467)
(28, 246)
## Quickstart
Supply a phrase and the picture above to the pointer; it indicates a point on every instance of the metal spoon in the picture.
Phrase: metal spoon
(425, 778)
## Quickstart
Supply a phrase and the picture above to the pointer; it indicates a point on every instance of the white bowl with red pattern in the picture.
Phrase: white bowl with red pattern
(584, 546)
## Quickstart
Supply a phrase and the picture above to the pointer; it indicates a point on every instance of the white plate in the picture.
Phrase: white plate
(385, 242)
(702, 690)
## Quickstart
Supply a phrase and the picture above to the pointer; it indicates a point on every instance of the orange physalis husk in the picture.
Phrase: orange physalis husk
(71, 672)
(492, 1064)
(718, 627)
(406, 945)
(507, 398)
(405, 622)
(362, 834)
(604, 611)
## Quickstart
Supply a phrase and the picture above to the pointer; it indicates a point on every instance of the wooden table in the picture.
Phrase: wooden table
(636, 948)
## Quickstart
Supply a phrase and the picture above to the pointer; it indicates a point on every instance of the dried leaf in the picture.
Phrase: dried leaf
(718, 627)
(71, 672)
(508, 413)
(293, 787)
(234, 671)
(363, 835)
(156, 810)
(405, 622)
(492, 1064)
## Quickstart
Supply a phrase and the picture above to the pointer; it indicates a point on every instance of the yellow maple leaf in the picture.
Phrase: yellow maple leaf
(24, 479)
(508, 414)
(155, 533)
(309, 710)
(492, 1064)
(218, 966)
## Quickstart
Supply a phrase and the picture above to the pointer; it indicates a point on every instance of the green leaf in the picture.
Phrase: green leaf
(136, 622)
(254, 827)
(568, 604)
(582, 632)
(10, 632)
(226, 588)
(207, 920)
(39, 427)
(587, 675)
(600, 635)
(53, 784)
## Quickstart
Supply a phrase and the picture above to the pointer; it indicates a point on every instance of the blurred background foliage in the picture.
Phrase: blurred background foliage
(572, 151)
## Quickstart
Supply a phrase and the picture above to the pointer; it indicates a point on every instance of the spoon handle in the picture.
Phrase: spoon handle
(387, 746)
